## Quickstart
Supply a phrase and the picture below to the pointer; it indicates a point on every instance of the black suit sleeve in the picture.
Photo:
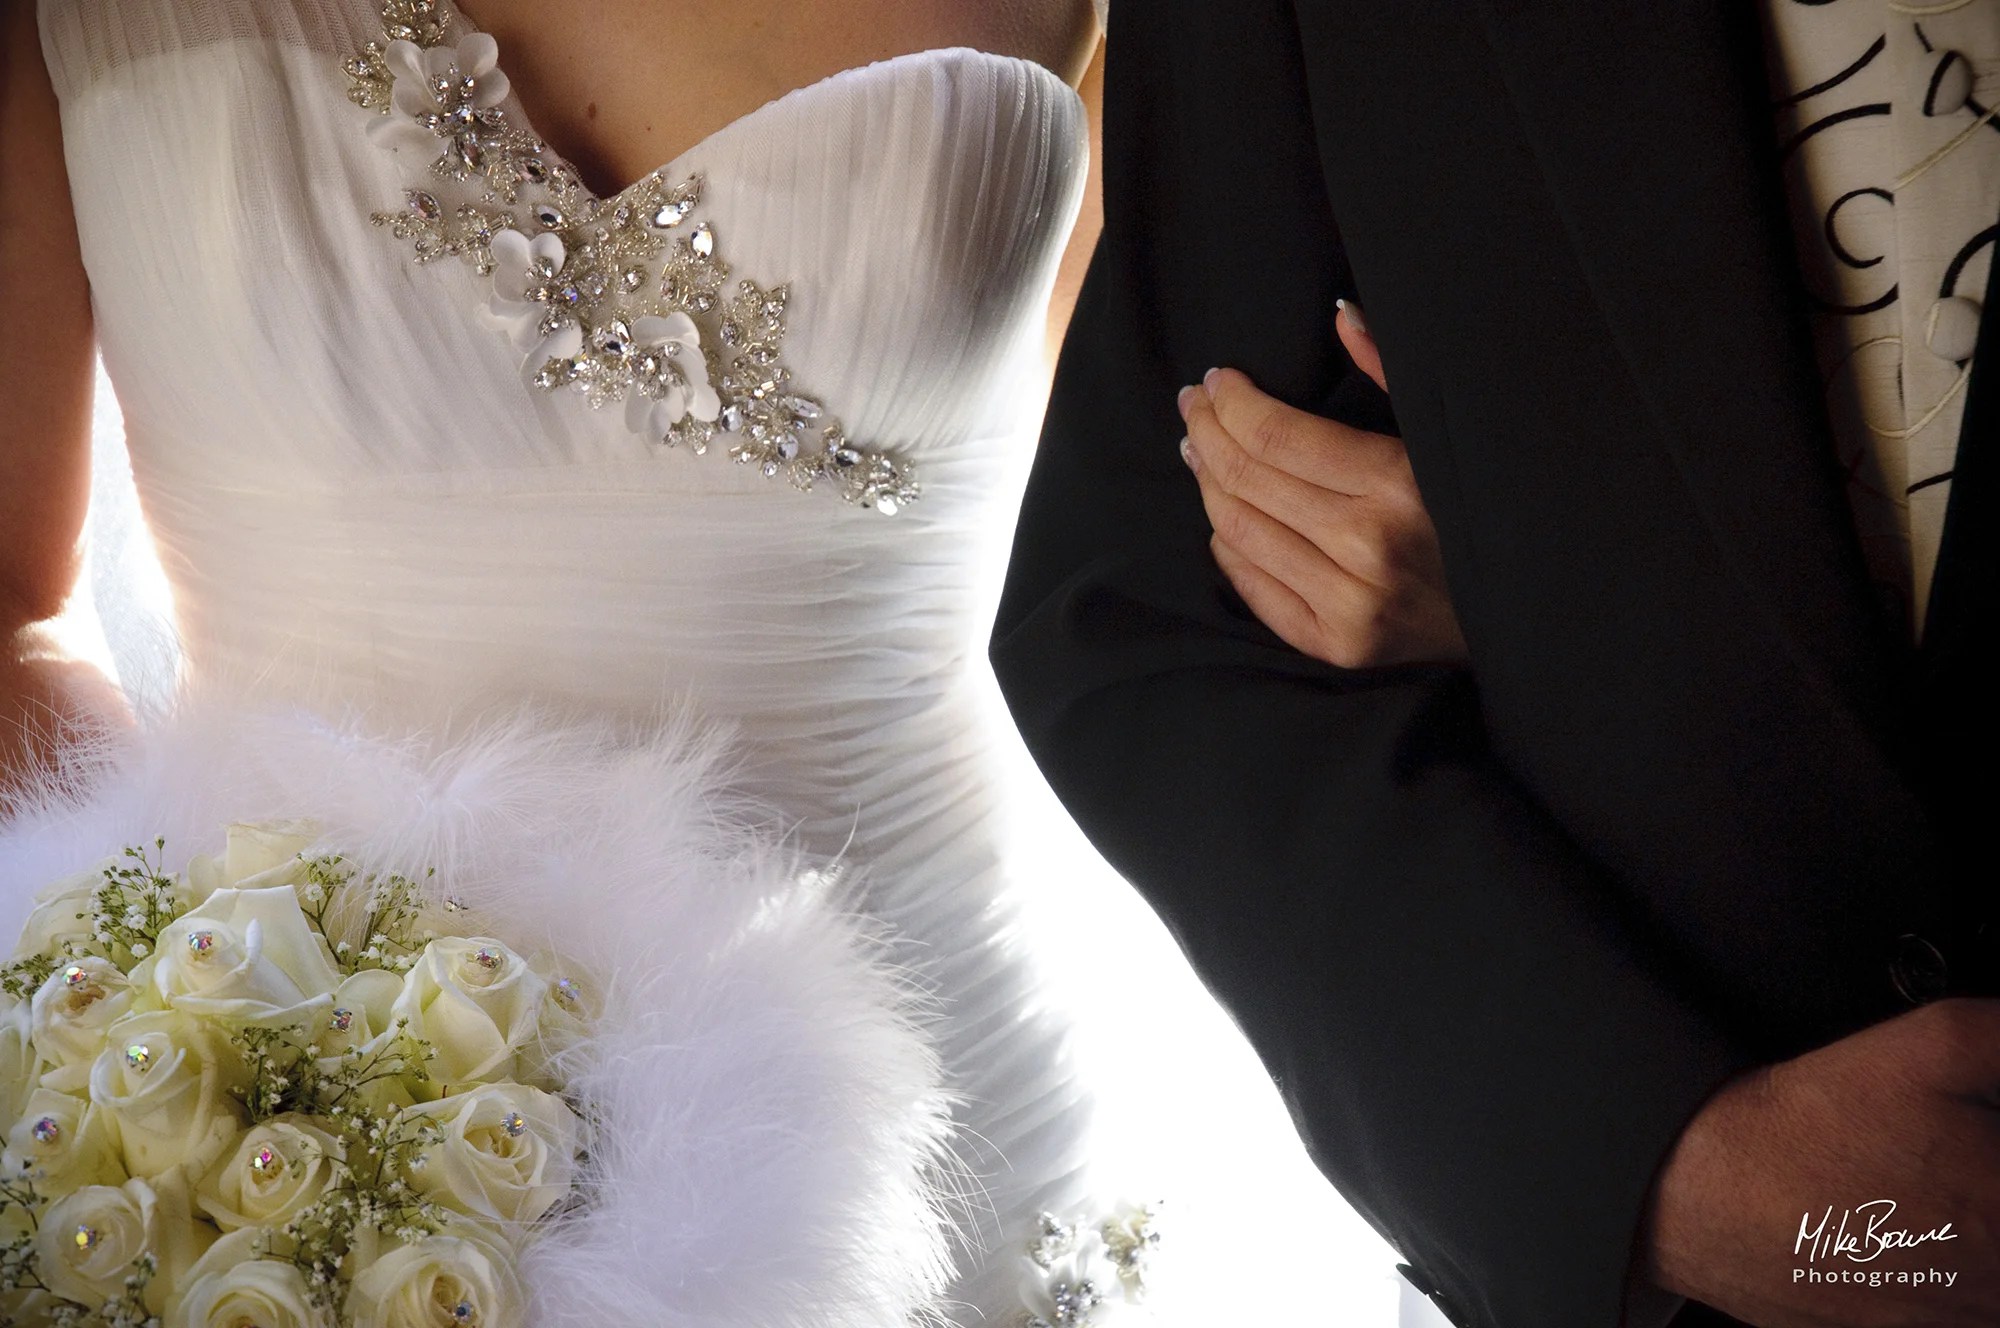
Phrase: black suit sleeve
(1475, 1042)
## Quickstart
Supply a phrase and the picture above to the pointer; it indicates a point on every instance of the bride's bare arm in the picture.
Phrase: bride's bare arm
(45, 388)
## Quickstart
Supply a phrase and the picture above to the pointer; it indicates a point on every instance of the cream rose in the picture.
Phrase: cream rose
(245, 957)
(64, 915)
(20, 1063)
(508, 1152)
(73, 1010)
(476, 1002)
(438, 1282)
(64, 1142)
(166, 1079)
(264, 849)
(277, 1169)
(231, 1286)
(363, 1007)
(88, 1241)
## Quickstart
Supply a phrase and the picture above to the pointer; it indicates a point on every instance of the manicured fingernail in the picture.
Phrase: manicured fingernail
(1184, 400)
(1190, 456)
(1208, 382)
(1353, 312)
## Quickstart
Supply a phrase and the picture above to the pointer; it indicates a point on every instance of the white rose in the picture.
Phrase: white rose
(565, 1020)
(247, 957)
(63, 1143)
(508, 1152)
(476, 1002)
(363, 1007)
(88, 1241)
(20, 1063)
(232, 1286)
(252, 850)
(166, 1078)
(65, 914)
(74, 1008)
(277, 1169)
(438, 1282)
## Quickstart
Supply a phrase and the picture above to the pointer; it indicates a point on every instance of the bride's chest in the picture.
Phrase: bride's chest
(257, 316)
(619, 86)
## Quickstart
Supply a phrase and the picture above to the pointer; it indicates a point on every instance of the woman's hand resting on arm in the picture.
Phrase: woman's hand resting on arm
(45, 400)
(1319, 525)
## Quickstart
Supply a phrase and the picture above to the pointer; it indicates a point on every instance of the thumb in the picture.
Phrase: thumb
(1354, 335)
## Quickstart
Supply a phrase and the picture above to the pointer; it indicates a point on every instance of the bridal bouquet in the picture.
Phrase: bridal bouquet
(272, 1089)
(622, 1059)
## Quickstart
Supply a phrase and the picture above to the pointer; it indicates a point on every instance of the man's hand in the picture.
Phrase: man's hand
(1319, 526)
(1908, 1112)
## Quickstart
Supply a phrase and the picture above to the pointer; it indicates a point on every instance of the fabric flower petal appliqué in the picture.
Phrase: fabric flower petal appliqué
(623, 300)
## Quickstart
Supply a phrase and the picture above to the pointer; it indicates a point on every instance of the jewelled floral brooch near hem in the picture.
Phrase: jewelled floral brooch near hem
(1075, 1276)
(623, 300)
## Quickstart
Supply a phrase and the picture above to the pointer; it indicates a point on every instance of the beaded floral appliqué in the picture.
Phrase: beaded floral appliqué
(1078, 1276)
(622, 300)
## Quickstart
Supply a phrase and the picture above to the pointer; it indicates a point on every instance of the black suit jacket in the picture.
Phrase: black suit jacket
(1499, 932)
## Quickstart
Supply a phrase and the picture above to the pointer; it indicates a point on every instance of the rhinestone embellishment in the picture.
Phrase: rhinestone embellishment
(84, 1238)
(606, 297)
(343, 1020)
(201, 943)
(265, 1160)
(1082, 1269)
(139, 1056)
(47, 1130)
(515, 1125)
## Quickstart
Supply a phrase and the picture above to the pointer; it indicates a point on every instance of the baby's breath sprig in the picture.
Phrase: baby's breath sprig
(370, 1186)
(128, 911)
(17, 1250)
(389, 936)
(371, 1190)
(135, 904)
(326, 877)
(23, 977)
(128, 1309)
(283, 1072)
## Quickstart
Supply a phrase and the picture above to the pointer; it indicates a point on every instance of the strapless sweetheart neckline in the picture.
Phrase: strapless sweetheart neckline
(784, 103)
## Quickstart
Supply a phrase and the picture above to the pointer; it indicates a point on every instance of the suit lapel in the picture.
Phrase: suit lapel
(1648, 122)
(1957, 703)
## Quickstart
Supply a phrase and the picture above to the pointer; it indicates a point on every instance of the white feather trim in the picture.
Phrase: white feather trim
(773, 1127)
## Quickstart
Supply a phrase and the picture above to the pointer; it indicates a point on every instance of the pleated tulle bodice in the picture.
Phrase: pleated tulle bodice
(358, 494)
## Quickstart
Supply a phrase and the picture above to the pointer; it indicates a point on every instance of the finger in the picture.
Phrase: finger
(1322, 452)
(1284, 553)
(1336, 523)
(1276, 604)
(1352, 329)
(1345, 528)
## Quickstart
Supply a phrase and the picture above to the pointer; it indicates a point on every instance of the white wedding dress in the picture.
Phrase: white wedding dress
(362, 502)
